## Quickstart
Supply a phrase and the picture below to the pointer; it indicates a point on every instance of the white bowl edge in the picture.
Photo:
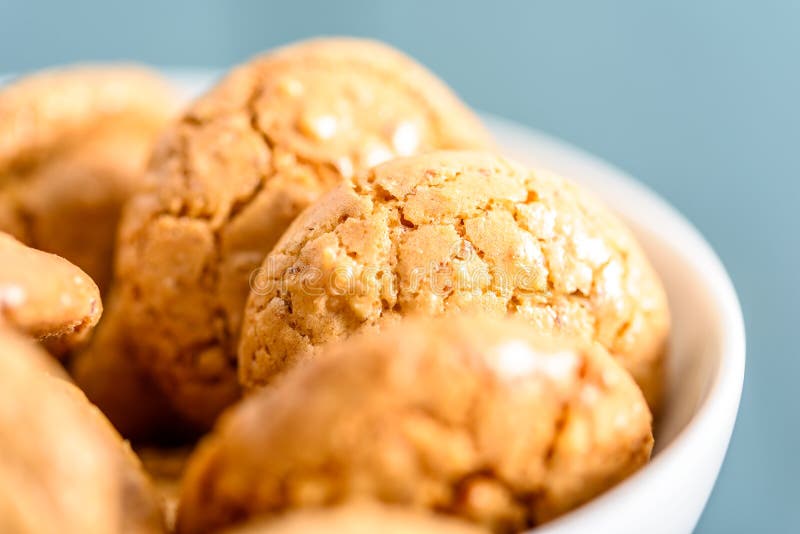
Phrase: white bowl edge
(693, 456)
(669, 494)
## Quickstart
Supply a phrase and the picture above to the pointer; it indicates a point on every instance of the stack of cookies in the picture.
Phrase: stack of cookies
(325, 272)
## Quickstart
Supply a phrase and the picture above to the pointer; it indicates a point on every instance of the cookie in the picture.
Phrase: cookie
(483, 418)
(361, 518)
(449, 232)
(232, 174)
(63, 469)
(45, 296)
(73, 145)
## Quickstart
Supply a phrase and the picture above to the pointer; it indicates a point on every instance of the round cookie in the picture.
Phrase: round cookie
(451, 232)
(73, 146)
(46, 296)
(477, 417)
(63, 469)
(359, 518)
(232, 174)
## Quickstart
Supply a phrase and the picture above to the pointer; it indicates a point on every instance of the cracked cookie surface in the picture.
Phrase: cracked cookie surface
(45, 296)
(232, 174)
(63, 469)
(73, 145)
(450, 232)
(360, 518)
(479, 417)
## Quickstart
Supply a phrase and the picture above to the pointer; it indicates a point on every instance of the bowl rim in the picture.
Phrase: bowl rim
(724, 393)
(658, 217)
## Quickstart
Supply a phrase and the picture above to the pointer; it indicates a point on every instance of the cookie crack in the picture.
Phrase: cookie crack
(421, 97)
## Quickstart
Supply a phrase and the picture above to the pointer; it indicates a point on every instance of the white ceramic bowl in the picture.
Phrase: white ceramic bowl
(706, 354)
(706, 346)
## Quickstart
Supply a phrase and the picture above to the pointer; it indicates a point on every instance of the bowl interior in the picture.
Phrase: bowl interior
(706, 345)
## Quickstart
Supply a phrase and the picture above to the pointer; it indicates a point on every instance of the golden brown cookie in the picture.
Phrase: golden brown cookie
(478, 417)
(450, 232)
(360, 518)
(234, 172)
(63, 469)
(73, 145)
(45, 296)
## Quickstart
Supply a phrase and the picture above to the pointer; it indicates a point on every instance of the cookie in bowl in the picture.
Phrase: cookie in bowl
(63, 468)
(450, 232)
(73, 146)
(235, 170)
(477, 417)
(45, 296)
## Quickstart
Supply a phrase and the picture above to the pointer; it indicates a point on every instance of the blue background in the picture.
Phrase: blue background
(699, 99)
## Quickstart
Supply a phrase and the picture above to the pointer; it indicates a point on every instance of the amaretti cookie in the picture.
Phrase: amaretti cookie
(450, 232)
(63, 468)
(478, 417)
(360, 518)
(73, 146)
(45, 296)
(232, 174)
